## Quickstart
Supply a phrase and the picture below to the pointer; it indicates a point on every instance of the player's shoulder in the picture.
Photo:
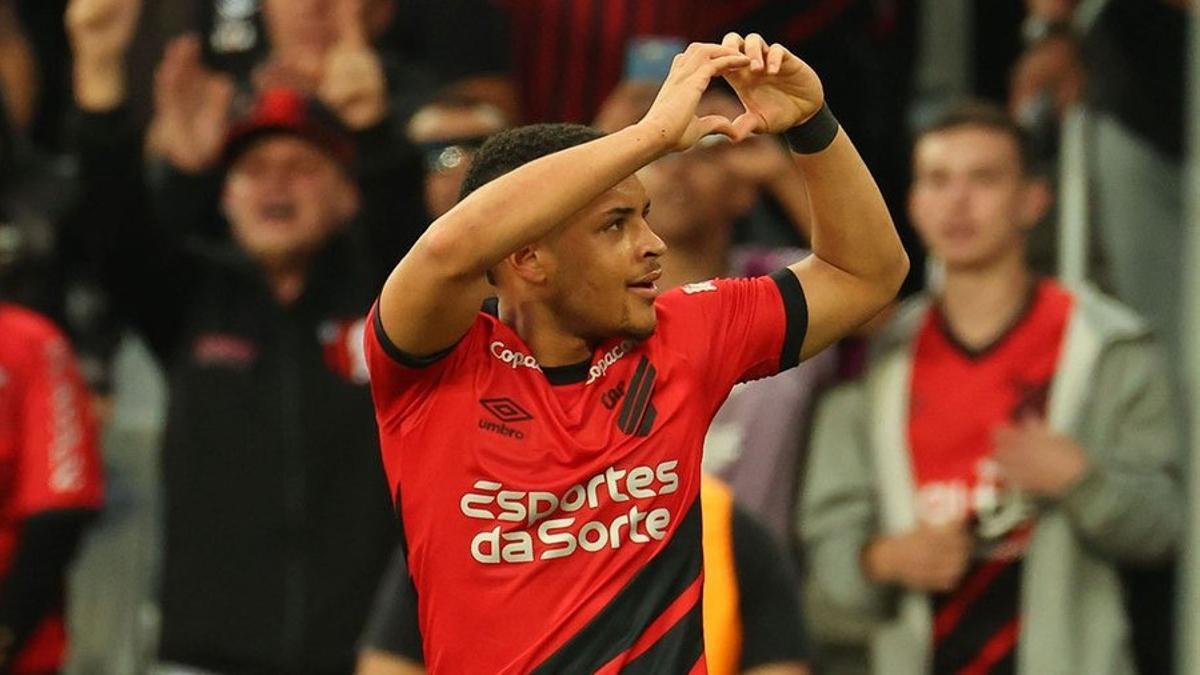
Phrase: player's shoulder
(697, 292)
(688, 299)
(467, 346)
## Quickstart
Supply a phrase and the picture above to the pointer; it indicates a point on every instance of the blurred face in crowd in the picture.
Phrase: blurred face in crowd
(309, 27)
(703, 189)
(450, 135)
(971, 200)
(596, 273)
(300, 26)
(284, 196)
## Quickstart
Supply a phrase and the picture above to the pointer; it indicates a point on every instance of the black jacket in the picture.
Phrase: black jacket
(278, 522)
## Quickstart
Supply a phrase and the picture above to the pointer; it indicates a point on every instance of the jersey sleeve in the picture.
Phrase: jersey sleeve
(401, 381)
(738, 329)
(59, 466)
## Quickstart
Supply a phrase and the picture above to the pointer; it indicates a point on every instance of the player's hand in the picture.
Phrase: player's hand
(191, 107)
(778, 90)
(931, 558)
(1035, 459)
(100, 32)
(672, 117)
(353, 82)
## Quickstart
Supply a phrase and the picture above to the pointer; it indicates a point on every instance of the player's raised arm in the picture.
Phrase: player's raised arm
(432, 296)
(858, 263)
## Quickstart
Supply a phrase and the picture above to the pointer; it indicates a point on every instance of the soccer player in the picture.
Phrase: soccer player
(752, 620)
(545, 453)
(1020, 448)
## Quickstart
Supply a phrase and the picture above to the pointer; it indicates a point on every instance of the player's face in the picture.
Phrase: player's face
(970, 201)
(284, 197)
(602, 265)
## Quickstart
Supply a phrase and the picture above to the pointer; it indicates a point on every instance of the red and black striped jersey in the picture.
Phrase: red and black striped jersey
(959, 397)
(552, 514)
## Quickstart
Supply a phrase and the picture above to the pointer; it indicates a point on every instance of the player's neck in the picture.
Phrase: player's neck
(979, 304)
(546, 339)
(696, 260)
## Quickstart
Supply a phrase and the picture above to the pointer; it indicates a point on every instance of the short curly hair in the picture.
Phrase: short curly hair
(512, 148)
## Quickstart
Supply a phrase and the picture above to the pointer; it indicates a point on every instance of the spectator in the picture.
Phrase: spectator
(756, 440)
(1127, 67)
(193, 107)
(277, 522)
(42, 266)
(448, 130)
(50, 486)
(425, 45)
(1019, 444)
(752, 619)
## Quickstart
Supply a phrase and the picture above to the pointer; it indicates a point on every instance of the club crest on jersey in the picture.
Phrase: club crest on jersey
(638, 412)
(699, 287)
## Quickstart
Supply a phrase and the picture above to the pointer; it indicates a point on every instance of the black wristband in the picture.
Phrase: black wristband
(815, 134)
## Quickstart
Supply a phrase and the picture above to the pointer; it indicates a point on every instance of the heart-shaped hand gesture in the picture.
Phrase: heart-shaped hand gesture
(672, 117)
(778, 90)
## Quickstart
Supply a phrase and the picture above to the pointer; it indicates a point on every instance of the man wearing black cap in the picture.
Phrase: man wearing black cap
(278, 522)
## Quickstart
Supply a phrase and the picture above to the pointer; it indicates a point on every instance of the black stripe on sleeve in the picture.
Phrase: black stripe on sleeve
(795, 306)
(651, 591)
(399, 355)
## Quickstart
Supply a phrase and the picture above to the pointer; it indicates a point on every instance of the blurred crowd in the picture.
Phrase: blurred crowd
(200, 200)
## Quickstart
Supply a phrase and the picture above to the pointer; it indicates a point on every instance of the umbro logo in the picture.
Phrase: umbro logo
(507, 411)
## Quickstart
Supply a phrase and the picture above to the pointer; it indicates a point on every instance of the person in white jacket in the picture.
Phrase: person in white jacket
(1008, 449)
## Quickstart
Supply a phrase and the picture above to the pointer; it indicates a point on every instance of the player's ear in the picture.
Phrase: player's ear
(528, 264)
